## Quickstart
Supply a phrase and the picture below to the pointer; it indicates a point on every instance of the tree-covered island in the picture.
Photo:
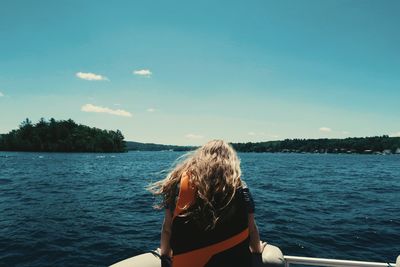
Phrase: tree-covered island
(61, 136)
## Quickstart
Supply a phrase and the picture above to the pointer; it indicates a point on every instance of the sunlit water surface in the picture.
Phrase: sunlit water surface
(92, 209)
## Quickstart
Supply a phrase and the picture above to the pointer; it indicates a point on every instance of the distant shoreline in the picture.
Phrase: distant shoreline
(370, 146)
(378, 145)
(247, 152)
(68, 136)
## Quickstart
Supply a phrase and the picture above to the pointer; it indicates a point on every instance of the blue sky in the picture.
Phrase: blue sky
(183, 72)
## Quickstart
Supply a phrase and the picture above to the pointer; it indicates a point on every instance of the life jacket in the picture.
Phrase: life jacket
(227, 244)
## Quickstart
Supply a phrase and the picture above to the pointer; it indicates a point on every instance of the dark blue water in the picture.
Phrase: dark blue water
(92, 209)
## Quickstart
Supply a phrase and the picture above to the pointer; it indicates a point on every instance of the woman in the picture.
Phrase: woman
(209, 215)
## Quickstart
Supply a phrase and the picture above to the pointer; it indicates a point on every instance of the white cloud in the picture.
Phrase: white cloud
(325, 129)
(345, 132)
(1, 94)
(91, 76)
(98, 109)
(194, 136)
(144, 72)
(151, 110)
(251, 133)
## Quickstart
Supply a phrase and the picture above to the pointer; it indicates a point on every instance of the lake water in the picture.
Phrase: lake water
(92, 210)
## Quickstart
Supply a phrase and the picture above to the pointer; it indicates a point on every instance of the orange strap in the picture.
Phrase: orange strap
(185, 197)
(200, 257)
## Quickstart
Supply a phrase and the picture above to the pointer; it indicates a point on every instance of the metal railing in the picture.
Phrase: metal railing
(289, 260)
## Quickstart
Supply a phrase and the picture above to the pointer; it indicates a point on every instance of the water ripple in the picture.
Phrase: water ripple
(92, 210)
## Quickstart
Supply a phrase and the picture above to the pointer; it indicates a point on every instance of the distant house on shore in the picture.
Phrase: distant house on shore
(397, 151)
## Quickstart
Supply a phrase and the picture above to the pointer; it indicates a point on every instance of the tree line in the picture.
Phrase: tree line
(68, 136)
(362, 145)
(136, 146)
(61, 136)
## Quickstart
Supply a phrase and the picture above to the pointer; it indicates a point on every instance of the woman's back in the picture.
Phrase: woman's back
(210, 222)
(224, 244)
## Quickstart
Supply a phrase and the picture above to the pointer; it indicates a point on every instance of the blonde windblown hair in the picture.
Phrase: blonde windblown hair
(214, 171)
